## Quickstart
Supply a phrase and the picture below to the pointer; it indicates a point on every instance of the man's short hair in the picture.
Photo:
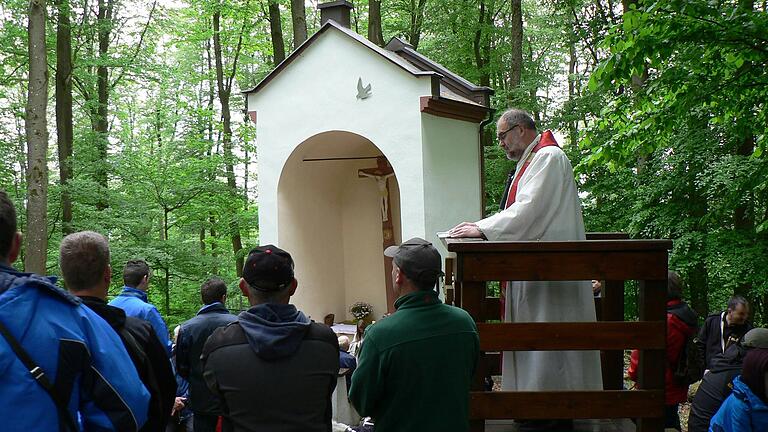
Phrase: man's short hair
(267, 296)
(134, 271)
(737, 300)
(514, 116)
(83, 258)
(7, 224)
(674, 286)
(213, 290)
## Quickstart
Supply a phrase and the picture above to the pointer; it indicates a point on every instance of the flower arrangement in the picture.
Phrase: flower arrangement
(361, 310)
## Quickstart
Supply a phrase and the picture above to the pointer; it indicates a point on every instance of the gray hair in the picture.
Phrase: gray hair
(514, 116)
(344, 343)
(83, 258)
(736, 301)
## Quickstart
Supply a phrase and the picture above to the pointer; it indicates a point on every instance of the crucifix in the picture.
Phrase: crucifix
(381, 175)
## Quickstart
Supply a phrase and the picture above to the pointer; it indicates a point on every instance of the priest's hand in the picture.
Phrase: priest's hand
(466, 229)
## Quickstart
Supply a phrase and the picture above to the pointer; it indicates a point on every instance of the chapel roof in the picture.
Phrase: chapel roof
(451, 86)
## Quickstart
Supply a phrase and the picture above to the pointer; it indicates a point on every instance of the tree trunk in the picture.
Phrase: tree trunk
(417, 20)
(36, 239)
(64, 128)
(276, 30)
(375, 34)
(299, 17)
(573, 125)
(516, 66)
(167, 292)
(479, 45)
(101, 123)
(743, 216)
(225, 89)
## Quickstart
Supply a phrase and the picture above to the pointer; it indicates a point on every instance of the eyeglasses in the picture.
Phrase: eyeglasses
(501, 135)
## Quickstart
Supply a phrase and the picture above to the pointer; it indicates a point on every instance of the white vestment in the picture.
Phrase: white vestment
(546, 207)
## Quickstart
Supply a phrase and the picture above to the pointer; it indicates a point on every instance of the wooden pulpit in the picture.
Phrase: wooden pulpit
(609, 258)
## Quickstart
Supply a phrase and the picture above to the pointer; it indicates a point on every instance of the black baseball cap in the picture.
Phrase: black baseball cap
(268, 268)
(418, 259)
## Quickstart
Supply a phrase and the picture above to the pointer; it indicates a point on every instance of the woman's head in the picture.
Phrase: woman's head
(755, 370)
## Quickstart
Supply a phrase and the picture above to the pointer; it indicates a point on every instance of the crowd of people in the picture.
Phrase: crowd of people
(72, 361)
(726, 356)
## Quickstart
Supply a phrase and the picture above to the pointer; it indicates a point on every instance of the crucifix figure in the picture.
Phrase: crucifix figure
(381, 182)
(381, 175)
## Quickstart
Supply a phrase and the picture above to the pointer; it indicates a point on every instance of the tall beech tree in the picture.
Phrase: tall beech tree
(36, 238)
(375, 34)
(224, 80)
(64, 120)
(276, 31)
(299, 19)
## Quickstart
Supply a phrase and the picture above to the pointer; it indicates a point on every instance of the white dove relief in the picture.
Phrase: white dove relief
(363, 92)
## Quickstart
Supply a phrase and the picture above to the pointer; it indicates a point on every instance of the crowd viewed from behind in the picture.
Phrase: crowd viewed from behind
(72, 361)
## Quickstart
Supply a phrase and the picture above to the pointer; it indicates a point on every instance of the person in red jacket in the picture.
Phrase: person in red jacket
(681, 323)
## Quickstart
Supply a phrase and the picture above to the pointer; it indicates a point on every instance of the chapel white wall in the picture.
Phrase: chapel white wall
(452, 174)
(317, 93)
(319, 208)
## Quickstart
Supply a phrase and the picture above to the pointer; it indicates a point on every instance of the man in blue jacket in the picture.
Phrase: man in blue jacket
(134, 301)
(91, 377)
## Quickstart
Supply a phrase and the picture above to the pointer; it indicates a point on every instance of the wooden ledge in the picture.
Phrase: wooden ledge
(606, 404)
(475, 245)
(449, 108)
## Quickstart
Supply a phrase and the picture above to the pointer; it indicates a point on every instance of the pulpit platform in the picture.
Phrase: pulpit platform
(603, 425)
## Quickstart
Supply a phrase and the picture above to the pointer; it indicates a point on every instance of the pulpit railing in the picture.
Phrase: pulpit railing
(610, 259)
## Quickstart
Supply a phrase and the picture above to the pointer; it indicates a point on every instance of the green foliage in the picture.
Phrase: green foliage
(662, 109)
(674, 148)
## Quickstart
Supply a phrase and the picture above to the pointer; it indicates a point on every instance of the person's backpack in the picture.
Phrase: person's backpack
(689, 368)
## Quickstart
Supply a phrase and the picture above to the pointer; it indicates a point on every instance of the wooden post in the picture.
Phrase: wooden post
(449, 263)
(613, 310)
(652, 364)
(473, 297)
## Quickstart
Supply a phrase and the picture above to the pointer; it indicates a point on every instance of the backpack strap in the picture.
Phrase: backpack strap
(40, 377)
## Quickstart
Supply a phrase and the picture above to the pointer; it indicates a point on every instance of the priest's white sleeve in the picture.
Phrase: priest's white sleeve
(546, 189)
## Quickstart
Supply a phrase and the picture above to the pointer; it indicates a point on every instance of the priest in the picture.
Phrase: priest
(540, 203)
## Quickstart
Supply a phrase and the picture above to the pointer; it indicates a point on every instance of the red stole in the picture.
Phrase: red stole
(546, 140)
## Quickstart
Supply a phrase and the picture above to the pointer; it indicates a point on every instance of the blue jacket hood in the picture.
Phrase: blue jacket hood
(274, 330)
(12, 278)
(743, 392)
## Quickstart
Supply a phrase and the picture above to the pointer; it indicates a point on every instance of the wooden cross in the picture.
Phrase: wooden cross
(381, 175)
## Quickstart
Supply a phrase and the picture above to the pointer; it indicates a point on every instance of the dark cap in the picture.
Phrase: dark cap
(418, 259)
(268, 268)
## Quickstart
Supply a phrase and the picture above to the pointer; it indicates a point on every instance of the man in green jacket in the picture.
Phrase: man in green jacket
(416, 366)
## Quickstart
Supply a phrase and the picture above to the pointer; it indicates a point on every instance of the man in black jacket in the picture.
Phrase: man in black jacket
(722, 329)
(84, 262)
(274, 369)
(205, 406)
